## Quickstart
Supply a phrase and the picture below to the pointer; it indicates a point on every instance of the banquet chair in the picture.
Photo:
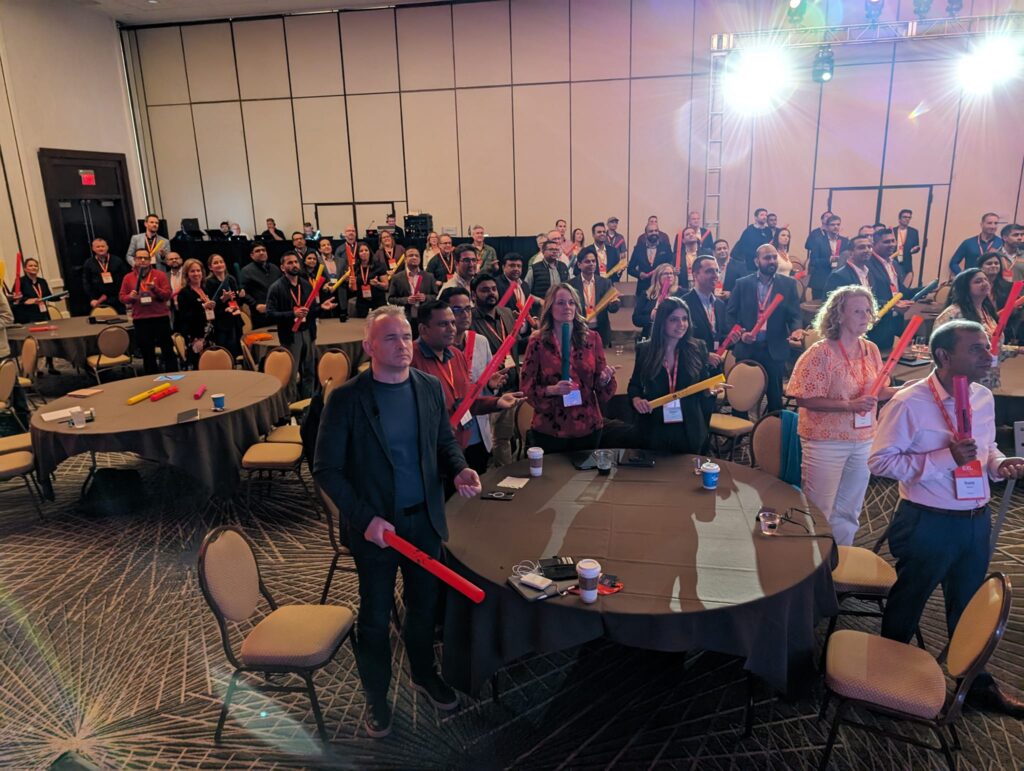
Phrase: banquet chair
(180, 348)
(898, 681)
(280, 364)
(55, 313)
(8, 379)
(524, 419)
(103, 312)
(113, 343)
(15, 443)
(335, 366)
(291, 639)
(28, 363)
(942, 295)
(748, 380)
(765, 443)
(340, 550)
(246, 320)
(22, 463)
(727, 364)
(216, 358)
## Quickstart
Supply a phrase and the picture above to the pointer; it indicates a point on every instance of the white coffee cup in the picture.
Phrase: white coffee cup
(77, 417)
(588, 571)
(536, 456)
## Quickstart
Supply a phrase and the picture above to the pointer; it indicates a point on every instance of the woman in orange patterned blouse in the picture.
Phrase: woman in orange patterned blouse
(837, 415)
(567, 413)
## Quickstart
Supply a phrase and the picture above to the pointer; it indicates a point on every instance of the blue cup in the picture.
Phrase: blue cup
(709, 475)
(218, 402)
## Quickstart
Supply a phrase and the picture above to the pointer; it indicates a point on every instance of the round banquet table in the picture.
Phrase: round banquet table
(73, 339)
(697, 573)
(330, 333)
(209, 449)
(1009, 396)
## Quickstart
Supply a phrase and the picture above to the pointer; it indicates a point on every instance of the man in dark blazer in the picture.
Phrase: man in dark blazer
(649, 253)
(383, 444)
(591, 288)
(824, 248)
(512, 272)
(709, 316)
(887, 279)
(412, 286)
(607, 255)
(908, 241)
(855, 270)
(752, 238)
(770, 348)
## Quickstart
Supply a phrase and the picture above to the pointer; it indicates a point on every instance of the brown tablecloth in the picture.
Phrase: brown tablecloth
(209, 449)
(330, 333)
(73, 340)
(697, 572)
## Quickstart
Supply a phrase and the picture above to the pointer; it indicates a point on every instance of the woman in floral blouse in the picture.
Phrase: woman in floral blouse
(837, 415)
(567, 413)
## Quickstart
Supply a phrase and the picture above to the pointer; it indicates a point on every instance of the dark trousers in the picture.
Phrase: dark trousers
(377, 569)
(773, 369)
(150, 333)
(932, 549)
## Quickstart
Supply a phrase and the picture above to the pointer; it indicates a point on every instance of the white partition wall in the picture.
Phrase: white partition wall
(513, 113)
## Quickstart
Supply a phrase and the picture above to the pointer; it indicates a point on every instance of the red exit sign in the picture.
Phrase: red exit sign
(88, 177)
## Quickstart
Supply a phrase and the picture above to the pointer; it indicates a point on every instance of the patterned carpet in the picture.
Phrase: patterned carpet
(107, 649)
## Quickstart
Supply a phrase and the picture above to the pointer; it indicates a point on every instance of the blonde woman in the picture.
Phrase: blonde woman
(433, 247)
(664, 283)
(837, 423)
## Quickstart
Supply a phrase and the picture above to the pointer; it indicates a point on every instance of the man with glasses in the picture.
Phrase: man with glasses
(442, 264)
(467, 263)
(257, 278)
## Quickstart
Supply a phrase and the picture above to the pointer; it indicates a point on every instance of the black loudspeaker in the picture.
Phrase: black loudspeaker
(162, 230)
(418, 226)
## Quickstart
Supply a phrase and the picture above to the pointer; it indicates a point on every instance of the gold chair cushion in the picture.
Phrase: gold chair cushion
(24, 382)
(300, 406)
(730, 425)
(107, 361)
(13, 464)
(15, 443)
(862, 571)
(290, 434)
(884, 672)
(272, 455)
(302, 636)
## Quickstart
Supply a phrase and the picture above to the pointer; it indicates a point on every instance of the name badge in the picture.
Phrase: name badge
(210, 315)
(995, 361)
(145, 299)
(572, 399)
(509, 363)
(969, 481)
(863, 419)
(673, 412)
(367, 293)
(466, 419)
(42, 307)
(107, 278)
(391, 264)
(451, 276)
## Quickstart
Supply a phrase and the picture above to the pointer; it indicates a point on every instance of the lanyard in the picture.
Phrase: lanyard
(449, 269)
(709, 311)
(835, 249)
(672, 373)
(589, 295)
(296, 295)
(504, 332)
(470, 345)
(450, 379)
(863, 379)
(890, 271)
(942, 409)
(981, 249)
(901, 238)
(38, 289)
(419, 280)
(520, 298)
(103, 265)
(762, 304)
(364, 274)
(147, 282)
(202, 295)
(152, 245)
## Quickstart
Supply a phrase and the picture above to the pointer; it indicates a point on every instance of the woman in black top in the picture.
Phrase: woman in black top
(370, 285)
(222, 288)
(195, 312)
(28, 305)
(671, 360)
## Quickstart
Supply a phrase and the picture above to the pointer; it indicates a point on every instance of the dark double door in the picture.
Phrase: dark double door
(81, 212)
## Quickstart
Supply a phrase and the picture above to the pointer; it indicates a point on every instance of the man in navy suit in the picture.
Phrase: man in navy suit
(856, 270)
(908, 241)
(888, 280)
(709, 317)
(824, 248)
(770, 347)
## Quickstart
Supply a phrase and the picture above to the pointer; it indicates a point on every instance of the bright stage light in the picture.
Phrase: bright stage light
(795, 10)
(993, 61)
(757, 80)
(824, 65)
(873, 10)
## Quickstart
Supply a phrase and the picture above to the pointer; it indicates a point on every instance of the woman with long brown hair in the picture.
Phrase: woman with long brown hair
(567, 411)
(670, 360)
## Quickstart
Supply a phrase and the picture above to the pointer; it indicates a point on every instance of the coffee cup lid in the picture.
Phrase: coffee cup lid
(709, 466)
(588, 564)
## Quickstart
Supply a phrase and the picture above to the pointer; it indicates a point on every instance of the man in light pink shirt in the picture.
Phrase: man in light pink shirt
(941, 530)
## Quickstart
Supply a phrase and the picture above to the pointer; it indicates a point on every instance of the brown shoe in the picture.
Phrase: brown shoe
(993, 697)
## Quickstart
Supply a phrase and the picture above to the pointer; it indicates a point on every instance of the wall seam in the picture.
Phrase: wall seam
(195, 134)
(295, 129)
(241, 117)
(348, 133)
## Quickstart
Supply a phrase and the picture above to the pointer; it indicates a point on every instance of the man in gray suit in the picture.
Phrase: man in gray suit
(151, 241)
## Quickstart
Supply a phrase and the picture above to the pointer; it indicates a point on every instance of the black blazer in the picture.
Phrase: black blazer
(655, 433)
(750, 240)
(601, 287)
(351, 442)
(845, 276)
(638, 263)
(92, 280)
(913, 241)
(190, 316)
(281, 308)
(743, 310)
(400, 289)
(702, 326)
(819, 256)
(503, 283)
(885, 329)
(24, 313)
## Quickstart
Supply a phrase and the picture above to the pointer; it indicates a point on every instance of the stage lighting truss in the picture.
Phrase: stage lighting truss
(873, 10)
